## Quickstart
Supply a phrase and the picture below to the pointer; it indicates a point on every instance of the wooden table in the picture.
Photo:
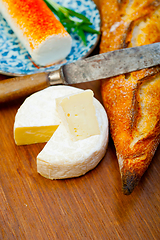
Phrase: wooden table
(88, 207)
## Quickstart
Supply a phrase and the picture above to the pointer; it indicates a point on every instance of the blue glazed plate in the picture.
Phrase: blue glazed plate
(14, 58)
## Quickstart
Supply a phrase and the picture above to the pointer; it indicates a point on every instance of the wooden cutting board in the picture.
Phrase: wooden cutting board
(88, 207)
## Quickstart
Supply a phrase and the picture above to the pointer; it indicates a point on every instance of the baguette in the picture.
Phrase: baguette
(38, 30)
(132, 100)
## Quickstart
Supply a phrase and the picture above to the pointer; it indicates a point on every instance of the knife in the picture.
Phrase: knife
(93, 68)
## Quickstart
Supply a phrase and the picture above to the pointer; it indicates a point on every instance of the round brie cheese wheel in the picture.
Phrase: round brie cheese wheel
(62, 157)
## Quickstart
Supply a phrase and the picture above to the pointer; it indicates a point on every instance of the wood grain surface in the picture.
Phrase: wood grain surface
(88, 207)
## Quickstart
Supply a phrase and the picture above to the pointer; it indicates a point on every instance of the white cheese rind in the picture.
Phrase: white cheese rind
(39, 109)
(64, 158)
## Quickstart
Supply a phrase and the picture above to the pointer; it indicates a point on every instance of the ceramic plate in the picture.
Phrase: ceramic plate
(14, 58)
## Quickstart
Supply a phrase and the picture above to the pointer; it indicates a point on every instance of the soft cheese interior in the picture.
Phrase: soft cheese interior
(78, 114)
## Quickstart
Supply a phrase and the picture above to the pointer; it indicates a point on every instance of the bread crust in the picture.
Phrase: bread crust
(132, 100)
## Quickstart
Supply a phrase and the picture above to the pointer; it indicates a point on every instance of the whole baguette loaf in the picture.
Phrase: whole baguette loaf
(38, 30)
(132, 101)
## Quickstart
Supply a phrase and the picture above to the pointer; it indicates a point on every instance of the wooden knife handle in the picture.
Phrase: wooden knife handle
(14, 88)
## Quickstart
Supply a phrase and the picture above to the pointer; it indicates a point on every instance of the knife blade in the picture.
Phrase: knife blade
(89, 69)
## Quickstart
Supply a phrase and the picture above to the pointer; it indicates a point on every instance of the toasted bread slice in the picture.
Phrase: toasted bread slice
(132, 100)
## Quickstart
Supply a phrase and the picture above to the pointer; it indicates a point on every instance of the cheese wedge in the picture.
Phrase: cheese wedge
(78, 114)
(63, 157)
(37, 118)
(38, 30)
